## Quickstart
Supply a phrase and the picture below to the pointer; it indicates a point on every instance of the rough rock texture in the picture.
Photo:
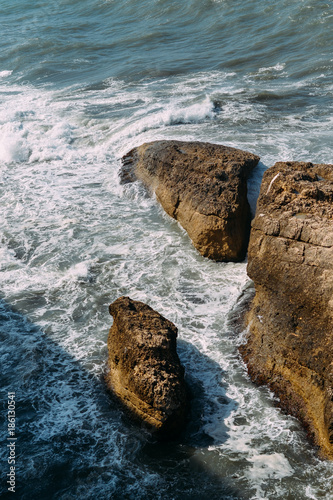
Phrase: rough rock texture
(290, 260)
(144, 368)
(201, 185)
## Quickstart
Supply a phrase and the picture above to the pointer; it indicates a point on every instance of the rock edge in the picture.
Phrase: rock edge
(290, 260)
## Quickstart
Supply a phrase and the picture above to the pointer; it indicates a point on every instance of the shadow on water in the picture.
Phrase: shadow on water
(188, 458)
(56, 405)
(74, 441)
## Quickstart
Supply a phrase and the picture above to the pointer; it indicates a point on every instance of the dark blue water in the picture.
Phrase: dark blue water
(81, 82)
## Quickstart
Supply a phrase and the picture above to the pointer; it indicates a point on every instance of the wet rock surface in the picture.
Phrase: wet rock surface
(144, 369)
(290, 259)
(203, 186)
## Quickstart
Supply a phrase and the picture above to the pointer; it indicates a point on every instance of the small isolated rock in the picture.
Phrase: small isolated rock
(290, 259)
(144, 370)
(203, 186)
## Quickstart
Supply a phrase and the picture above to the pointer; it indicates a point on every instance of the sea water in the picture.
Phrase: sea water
(81, 83)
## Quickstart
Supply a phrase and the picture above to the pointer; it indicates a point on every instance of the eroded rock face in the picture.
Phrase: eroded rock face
(201, 185)
(144, 367)
(290, 260)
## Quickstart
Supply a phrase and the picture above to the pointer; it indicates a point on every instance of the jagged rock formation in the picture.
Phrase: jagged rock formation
(144, 370)
(201, 185)
(290, 259)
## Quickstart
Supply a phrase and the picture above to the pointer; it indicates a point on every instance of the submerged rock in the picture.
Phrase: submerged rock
(201, 185)
(144, 370)
(290, 259)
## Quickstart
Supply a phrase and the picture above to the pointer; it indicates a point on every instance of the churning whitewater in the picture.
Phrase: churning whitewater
(81, 83)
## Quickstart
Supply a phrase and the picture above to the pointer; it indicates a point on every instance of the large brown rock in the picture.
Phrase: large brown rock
(144, 370)
(201, 185)
(290, 259)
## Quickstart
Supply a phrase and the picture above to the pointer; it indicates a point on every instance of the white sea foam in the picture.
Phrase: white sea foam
(7, 258)
(13, 144)
(173, 113)
(79, 271)
(277, 67)
(266, 466)
(5, 73)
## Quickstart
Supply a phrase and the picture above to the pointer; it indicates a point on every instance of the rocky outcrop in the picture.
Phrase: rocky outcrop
(144, 370)
(201, 185)
(290, 259)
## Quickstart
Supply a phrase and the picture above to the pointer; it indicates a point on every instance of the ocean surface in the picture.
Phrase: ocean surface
(81, 83)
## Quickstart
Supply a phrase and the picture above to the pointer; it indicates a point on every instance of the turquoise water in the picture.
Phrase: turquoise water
(80, 84)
